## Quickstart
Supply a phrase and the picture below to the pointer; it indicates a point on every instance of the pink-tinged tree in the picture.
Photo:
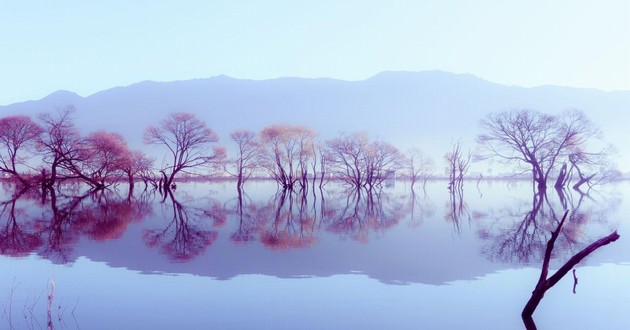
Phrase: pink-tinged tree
(104, 158)
(285, 152)
(17, 134)
(137, 165)
(244, 164)
(189, 141)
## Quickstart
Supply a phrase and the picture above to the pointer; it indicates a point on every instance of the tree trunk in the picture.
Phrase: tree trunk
(545, 283)
(561, 177)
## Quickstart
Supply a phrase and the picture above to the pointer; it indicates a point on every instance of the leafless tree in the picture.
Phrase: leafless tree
(60, 144)
(537, 141)
(458, 164)
(285, 151)
(383, 160)
(17, 133)
(418, 166)
(244, 164)
(346, 157)
(360, 162)
(189, 141)
(137, 165)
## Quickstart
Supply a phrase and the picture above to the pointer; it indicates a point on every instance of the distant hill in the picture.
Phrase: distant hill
(427, 109)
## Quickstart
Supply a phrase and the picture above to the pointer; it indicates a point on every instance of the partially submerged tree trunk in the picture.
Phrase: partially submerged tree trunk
(545, 283)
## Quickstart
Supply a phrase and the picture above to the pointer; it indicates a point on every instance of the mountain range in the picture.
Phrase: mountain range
(428, 110)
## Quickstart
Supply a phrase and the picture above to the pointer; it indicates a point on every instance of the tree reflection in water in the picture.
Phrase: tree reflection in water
(51, 224)
(62, 218)
(186, 235)
(520, 234)
(17, 239)
(292, 226)
(364, 211)
(457, 208)
(419, 208)
(251, 219)
(294, 219)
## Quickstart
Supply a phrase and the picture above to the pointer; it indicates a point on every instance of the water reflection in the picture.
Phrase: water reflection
(50, 223)
(518, 234)
(17, 239)
(187, 234)
(420, 208)
(325, 224)
(364, 212)
(457, 208)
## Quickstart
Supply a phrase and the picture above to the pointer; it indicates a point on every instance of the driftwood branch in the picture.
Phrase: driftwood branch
(545, 283)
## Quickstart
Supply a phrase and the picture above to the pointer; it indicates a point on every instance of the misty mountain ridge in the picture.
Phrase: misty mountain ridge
(428, 110)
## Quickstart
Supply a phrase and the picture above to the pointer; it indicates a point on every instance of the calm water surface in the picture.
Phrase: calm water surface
(205, 258)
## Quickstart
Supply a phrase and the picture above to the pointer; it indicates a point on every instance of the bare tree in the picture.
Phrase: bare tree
(137, 164)
(360, 162)
(418, 166)
(60, 144)
(189, 141)
(244, 164)
(458, 164)
(383, 160)
(285, 151)
(17, 133)
(535, 140)
(346, 157)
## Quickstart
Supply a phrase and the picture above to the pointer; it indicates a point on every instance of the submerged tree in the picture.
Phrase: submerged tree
(137, 165)
(105, 156)
(458, 164)
(546, 282)
(535, 140)
(285, 151)
(60, 145)
(418, 166)
(189, 141)
(360, 162)
(244, 164)
(17, 133)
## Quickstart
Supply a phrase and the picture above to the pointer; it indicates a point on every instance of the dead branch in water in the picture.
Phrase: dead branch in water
(545, 283)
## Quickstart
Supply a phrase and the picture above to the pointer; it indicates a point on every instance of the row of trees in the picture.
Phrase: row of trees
(51, 149)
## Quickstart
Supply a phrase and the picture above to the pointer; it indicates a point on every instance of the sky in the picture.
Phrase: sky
(89, 46)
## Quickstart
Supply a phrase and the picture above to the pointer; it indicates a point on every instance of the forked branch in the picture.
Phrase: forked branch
(545, 283)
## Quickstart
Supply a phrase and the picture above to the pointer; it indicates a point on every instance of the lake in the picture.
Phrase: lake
(327, 259)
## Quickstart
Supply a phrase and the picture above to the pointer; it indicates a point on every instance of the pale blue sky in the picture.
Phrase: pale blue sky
(87, 46)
